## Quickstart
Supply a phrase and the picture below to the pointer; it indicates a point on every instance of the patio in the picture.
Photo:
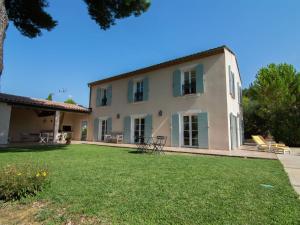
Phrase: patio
(243, 152)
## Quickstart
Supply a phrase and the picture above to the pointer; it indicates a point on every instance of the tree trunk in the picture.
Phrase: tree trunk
(3, 26)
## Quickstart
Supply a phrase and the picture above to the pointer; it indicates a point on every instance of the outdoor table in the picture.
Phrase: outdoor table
(153, 144)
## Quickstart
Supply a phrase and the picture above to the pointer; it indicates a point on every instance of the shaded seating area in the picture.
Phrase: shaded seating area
(30, 120)
(151, 144)
(270, 146)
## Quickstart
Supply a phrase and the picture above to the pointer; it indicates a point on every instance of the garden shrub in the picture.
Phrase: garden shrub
(17, 181)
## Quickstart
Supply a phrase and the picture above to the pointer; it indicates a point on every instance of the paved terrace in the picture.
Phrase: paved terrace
(291, 164)
(244, 152)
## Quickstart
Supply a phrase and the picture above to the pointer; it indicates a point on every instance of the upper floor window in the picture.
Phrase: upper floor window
(231, 82)
(189, 82)
(139, 91)
(104, 96)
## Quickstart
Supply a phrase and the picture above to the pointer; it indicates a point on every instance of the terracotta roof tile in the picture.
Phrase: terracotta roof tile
(42, 103)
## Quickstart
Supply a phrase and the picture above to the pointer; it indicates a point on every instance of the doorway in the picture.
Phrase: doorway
(190, 131)
(83, 130)
(139, 130)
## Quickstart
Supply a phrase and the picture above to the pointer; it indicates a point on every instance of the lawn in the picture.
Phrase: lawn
(118, 186)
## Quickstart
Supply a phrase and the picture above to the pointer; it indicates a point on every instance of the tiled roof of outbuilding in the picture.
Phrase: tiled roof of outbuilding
(41, 103)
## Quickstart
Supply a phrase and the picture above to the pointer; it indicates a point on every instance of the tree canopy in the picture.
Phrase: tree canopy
(70, 101)
(50, 97)
(30, 17)
(272, 104)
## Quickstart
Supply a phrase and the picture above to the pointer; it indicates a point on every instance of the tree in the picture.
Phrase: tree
(30, 17)
(274, 103)
(50, 97)
(70, 101)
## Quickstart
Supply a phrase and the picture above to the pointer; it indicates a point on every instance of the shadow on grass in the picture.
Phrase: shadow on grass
(135, 152)
(35, 148)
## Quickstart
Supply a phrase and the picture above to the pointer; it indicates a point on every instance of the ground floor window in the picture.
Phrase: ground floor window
(139, 130)
(103, 129)
(190, 130)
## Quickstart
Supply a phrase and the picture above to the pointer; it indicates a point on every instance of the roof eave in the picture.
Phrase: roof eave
(199, 55)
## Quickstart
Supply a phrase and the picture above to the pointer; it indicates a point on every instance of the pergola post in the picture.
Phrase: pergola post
(56, 126)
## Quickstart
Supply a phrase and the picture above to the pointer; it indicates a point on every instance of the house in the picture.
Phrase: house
(23, 118)
(195, 101)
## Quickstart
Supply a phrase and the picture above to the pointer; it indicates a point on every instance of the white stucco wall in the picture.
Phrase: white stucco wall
(5, 111)
(233, 105)
(213, 101)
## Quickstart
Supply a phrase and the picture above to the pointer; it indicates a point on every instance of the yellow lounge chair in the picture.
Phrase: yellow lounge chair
(276, 145)
(263, 145)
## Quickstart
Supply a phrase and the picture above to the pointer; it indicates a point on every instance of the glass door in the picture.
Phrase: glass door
(139, 130)
(103, 129)
(83, 130)
(190, 131)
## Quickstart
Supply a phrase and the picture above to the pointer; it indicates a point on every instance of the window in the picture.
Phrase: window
(190, 130)
(231, 83)
(103, 129)
(66, 128)
(104, 97)
(139, 91)
(139, 130)
(189, 82)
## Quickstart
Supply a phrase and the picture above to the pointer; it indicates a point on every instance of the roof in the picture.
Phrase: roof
(199, 55)
(41, 103)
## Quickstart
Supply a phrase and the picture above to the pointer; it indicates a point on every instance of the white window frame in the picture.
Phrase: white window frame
(135, 89)
(181, 114)
(103, 87)
(100, 119)
(183, 71)
(133, 117)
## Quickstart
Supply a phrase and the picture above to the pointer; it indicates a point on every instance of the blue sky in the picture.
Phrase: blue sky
(77, 51)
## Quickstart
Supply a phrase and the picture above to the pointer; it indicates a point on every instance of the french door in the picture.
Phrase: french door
(83, 130)
(139, 130)
(190, 131)
(103, 129)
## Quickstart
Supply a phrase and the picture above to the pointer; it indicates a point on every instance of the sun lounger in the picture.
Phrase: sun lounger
(263, 145)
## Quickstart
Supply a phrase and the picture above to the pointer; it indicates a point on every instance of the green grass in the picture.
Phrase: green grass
(117, 186)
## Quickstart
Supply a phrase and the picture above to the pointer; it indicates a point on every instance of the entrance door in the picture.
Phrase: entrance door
(102, 129)
(190, 131)
(84, 130)
(139, 130)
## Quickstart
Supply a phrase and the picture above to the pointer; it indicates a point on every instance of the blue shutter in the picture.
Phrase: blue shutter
(238, 92)
(233, 85)
(146, 89)
(109, 125)
(203, 130)
(130, 91)
(176, 83)
(175, 130)
(199, 79)
(96, 129)
(109, 94)
(127, 128)
(233, 131)
(98, 97)
(148, 126)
